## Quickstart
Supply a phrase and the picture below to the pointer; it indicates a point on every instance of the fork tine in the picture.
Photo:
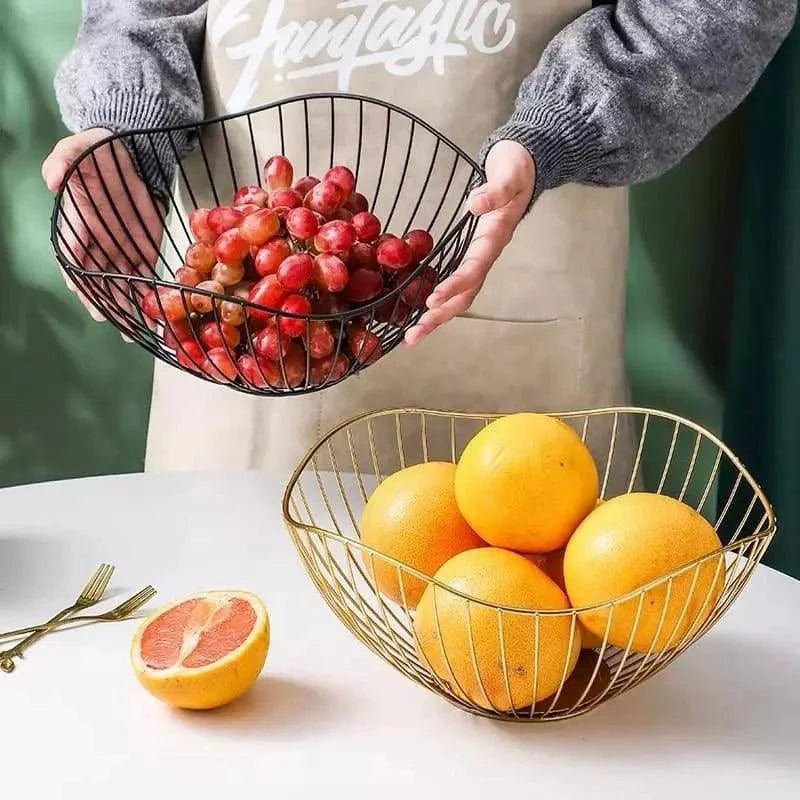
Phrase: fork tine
(101, 583)
(87, 589)
(132, 603)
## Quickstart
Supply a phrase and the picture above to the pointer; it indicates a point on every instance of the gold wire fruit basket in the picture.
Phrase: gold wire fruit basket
(634, 449)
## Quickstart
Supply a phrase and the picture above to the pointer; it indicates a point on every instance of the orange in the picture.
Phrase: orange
(552, 564)
(203, 651)
(413, 517)
(525, 482)
(491, 663)
(630, 541)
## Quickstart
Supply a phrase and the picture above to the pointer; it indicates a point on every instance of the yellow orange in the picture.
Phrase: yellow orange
(413, 517)
(525, 482)
(629, 542)
(203, 651)
(491, 663)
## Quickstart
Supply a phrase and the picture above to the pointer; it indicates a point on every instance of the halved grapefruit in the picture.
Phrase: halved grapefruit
(203, 651)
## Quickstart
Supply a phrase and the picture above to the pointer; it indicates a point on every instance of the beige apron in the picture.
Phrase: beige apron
(546, 332)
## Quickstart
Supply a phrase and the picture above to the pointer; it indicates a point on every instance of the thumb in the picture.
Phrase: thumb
(55, 166)
(510, 171)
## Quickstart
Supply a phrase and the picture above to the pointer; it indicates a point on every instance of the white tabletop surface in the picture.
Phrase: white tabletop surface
(328, 718)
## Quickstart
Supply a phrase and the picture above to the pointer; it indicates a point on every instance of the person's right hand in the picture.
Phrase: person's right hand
(110, 221)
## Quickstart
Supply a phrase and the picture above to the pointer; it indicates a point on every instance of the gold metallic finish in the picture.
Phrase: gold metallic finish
(323, 502)
(90, 594)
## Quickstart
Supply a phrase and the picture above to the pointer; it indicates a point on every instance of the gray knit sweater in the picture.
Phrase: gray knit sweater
(619, 96)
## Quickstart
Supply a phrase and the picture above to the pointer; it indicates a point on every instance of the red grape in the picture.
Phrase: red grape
(295, 272)
(305, 185)
(365, 347)
(223, 218)
(302, 223)
(394, 254)
(293, 365)
(284, 198)
(335, 237)
(241, 290)
(232, 313)
(330, 304)
(278, 172)
(329, 369)
(368, 226)
(393, 311)
(357, 203)
(364, 285)
(267, 292)
(421, 244)
(271, 343)
(186, 276)
(191, 356)
(178, 331)
(150, 305)
(221, 365)
(258, 372)
(214, 334)
(343, 214)
(419, 289)
(344, 178)
(362, 256)
(271, 255)
(330, 273)
(228, 274)
(319, 342)
(291, 326)
(231, 248)
(324, 198)
(260, 226)
(201, 257)
(198, 222)
(249, 208)
(174, 305)
(203, 303)
(245, 195)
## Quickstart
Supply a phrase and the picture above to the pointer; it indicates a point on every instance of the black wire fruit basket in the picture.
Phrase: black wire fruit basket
(294, 247)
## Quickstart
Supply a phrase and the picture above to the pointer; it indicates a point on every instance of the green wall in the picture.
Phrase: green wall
(73, 397)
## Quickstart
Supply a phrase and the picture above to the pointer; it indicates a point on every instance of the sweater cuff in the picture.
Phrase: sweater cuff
(565, 146)
(154, 155)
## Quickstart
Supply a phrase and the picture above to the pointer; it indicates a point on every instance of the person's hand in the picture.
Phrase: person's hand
(110, 222)
(501, 203)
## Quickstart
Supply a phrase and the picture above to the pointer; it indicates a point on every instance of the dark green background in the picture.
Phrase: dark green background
(74, 398)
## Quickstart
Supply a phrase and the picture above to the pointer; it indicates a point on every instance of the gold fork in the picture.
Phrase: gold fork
(123, 610)
(90, 594)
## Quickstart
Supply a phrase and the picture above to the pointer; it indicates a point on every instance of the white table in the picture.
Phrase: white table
(328, 718)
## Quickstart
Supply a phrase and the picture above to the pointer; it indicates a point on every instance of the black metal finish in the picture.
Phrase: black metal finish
(110, 247)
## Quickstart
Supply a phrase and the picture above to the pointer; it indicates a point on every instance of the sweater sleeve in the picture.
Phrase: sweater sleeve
(135, 64)
(624, 93)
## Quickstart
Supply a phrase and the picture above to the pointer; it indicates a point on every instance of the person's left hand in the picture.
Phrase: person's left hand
(500, 203)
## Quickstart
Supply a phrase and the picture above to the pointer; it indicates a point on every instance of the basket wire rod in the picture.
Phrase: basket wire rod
(457, 207)
(745, 517)
(360, 145)
(610, 458)
(211, 182)
(535, 668)
(254, 153)
(356, 466)
(444, 194)
(565, 672)
(670, 454)
(228, 154)
(585, 428)
(399, 437)
(333, 136)
(382, 171)
(406, 162)
(637, 463)
(423, 424)
(182, 173)
(692, 464)
(627, 651)
(308, 136)
(711, 481)
(424, 188)
(728, 502)
(373, 450)
(474, 658)
(504, 661)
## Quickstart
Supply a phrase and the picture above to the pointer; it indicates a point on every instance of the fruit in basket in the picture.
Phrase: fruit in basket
(413, 518)
(630, 541)
(460, 639)
(309, 248)
(204, 651)
(525, 482)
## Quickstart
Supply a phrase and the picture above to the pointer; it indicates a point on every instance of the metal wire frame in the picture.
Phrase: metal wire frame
(324, 499)
(109, 242)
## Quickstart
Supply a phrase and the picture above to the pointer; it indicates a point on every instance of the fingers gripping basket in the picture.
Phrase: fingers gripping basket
(325, 498)
(122, 243)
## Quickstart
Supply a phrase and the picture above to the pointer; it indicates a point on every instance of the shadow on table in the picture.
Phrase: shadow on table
(276, 706)
(727, 694)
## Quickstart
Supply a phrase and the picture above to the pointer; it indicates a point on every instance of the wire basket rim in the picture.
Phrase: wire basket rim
(767, 533)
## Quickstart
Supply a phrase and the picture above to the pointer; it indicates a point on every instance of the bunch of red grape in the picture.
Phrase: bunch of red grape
(308, 248)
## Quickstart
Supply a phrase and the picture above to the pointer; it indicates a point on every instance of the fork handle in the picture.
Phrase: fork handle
(7, 656)
(49, 626)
